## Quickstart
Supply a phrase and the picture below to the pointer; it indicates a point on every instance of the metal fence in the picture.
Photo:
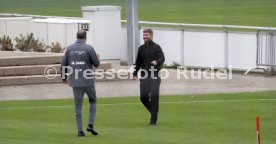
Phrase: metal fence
(265, 41)
(266, 48)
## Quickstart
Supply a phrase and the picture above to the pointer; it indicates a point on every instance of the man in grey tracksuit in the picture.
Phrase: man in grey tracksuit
(78, 62)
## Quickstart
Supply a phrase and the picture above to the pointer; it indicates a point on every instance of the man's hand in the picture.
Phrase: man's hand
(154, 62)
(135, 78)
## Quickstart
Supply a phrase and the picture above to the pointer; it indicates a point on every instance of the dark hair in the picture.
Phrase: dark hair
(81, 34)
(148, 30)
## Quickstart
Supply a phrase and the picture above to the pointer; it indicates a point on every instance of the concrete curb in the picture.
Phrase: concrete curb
(34, 60)
(39, 69)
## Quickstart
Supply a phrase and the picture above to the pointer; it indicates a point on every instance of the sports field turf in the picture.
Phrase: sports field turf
(231, 12)
(191, 119)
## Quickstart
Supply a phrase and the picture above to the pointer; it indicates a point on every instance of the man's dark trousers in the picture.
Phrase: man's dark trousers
(149, 94)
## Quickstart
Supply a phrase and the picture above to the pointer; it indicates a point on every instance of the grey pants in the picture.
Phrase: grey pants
(78, 97)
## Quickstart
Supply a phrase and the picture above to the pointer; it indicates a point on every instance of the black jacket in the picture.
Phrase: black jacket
(146, 54)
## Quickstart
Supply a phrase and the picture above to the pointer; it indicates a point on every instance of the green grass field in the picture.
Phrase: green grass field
(232, 12)
(197, 119)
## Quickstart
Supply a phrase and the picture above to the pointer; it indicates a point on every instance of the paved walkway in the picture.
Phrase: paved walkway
(171, 86)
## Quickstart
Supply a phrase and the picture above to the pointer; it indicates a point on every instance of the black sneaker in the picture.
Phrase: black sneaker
(81, 134)
(91, 129)
(152, 123)
(153, 120)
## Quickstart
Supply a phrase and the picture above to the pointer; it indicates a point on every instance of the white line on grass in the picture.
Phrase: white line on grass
(121, 104)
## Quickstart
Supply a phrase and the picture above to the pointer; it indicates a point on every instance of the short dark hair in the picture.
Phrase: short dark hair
(81, 34)
(148, 30)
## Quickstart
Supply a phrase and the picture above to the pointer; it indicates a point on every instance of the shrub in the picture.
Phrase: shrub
(56, 48)
(6, 44)
(174, 65)
(39, 46)
(28, 43)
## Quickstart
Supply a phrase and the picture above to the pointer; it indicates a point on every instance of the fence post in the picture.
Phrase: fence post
(226, 49)
(182, 45)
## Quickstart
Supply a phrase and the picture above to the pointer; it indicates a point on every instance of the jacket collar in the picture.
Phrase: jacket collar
(149, 43)
(80, 41)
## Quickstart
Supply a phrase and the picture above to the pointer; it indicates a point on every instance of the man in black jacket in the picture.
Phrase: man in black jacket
(149, 59)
